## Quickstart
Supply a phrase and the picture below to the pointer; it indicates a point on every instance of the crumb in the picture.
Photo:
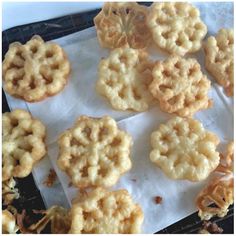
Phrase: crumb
(70, 184)
(134, 180)
(50, 178)
(211, 228)
(158, 200)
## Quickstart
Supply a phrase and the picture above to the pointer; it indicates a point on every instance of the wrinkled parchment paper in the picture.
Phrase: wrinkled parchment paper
(145, 180)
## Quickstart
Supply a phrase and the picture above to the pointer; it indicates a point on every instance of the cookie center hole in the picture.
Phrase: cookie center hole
(87, 131)
(28, 132)
(178, 42)
(33, 49)
(54, 66)
(116, 142)
(192, 38)
(123, 59)
(172, 101)
(32, 83)
(75, 142)
(84, 172)
(177, 65)
(102, 132)
(19, 54)
(113, 67)
(122, 93)
(15, 81)
(165, 34)
(14, 122)
(102, 172)
(110, 83)
(17, 162)
(166, 73)
(164, 87)
(49, 54)
(136, 95)
(198, 97)
(114, 12)
(127, 10)
(191, 71)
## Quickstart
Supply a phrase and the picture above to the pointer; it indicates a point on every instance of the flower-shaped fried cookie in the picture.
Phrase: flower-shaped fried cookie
(176, 27)
(218, 195)
(183, 149)
(219, 59)
(124, 78)
(180, 86)
(23, 143)
(9, 191)
(94, 152)
(121, 24)
(104, 212)
(9, 225)
(35, 70)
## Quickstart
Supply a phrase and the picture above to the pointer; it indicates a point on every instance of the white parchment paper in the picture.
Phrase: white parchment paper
(144, 181)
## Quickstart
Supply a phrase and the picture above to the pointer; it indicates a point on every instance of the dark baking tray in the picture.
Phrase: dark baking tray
(55, 28)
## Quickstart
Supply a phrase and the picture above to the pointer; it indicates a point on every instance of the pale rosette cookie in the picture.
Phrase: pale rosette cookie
(9, 191)
(94, 152)
(218, 195)
(180, 86)
(124, 78)
(183, 149)
(9, 225)
(35, 70)
(120, 24)
(176, 27)
(22, 143)
(219, 59)
(101, 212)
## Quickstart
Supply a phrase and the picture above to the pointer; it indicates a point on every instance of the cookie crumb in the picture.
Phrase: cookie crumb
(50, 178)
(158, 200)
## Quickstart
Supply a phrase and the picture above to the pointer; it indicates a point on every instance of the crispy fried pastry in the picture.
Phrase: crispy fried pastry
(104, 212)
(124, 78)
(35, 70)
(9, 192)
(23, 143)
(183, 149)
(120, 24)
(176, 27)
(180, 86)
(8, 222)
(94, 152)
(219, 59)
(218, 195)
